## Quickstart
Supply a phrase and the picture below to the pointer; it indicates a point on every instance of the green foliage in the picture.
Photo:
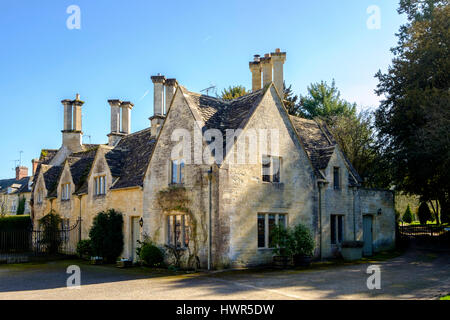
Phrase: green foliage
(424, 213)
(151, 255)
(107, 235)
(290, 101)
(356, 136)
(324, 101)
(84, 248)
(408, 216)
(10, 223)
(413, 120)
(50, 224)
(294, 241)
(21, 206)
(233, 92)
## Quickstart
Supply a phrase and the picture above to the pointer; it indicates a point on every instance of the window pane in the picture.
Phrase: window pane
(272, 224)
(181, 171)
(266, 168)
(282, 220)
(333, 228)
(178, 231)
(174, 172)
(336, 178)
(276, 168)
(340, 229)
(261, 227)
(169, 230)
(186, 230)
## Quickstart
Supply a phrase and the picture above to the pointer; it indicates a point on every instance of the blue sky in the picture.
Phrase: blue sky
(122, 43)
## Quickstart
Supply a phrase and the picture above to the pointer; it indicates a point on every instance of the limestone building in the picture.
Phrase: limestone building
(211, 178)
(16, 190)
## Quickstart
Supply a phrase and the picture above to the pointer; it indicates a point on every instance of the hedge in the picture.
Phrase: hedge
(9, 223)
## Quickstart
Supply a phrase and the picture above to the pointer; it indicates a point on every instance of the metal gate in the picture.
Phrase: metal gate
(20, 245)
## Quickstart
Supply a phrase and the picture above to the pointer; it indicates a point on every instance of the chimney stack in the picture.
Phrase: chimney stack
(126, 116)
(21, 172)
(34, 163)
(171, 86)
(72, 129)
(114, 136)
(278, 59)
(266, 63)
(158, 104)
(255, 68)
(158, 94)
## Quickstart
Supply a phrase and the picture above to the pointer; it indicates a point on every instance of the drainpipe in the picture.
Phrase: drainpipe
(209, 220)
(79, 221)
(320, 218)
(354, 214)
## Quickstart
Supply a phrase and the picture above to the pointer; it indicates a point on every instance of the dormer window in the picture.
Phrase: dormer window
(177, 171)
(100, 185)
(65, 191)
(39, 197)
(271, 168)
(336, 178)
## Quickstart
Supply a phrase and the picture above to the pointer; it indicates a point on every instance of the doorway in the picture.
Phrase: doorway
(368, 235)
(135, 236)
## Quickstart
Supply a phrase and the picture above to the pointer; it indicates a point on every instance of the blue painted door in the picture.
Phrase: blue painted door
(367, 235)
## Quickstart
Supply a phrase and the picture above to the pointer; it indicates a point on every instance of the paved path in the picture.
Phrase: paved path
(414, 275)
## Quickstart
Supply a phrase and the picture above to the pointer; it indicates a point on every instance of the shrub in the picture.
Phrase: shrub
(296, 241)
(407, 216)
(151, 255)
(107, 235)
(424, 213)
(13, 223)
(21, 206)
(50, 237)
(84, 248)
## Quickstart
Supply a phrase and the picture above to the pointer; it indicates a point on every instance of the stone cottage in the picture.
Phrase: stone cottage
(15, 190)
(210, 178)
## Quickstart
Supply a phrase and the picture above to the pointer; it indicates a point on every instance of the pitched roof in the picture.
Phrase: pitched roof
(319, 144)
(130, 158)
(51, 177)
(224, 114)
(22, 185)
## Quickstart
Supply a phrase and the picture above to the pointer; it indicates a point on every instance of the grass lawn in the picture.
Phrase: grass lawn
(447, 297)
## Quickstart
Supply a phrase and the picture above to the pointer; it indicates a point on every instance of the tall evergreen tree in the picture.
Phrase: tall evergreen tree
(325, 101)
(414, 118)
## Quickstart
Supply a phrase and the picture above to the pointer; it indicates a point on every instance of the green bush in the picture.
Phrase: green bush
(50, 225)
(21, 206)
(10, 223)
(151, 255)
(84, 248)
(424, 213)
(296, 241)
(107, 235)
(407, 216)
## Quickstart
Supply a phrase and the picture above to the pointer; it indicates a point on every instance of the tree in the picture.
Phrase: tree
(233, 92)
(413, 120)
(50, 238)
(290, 101)
(408, 216)
(107, 235)
(424, 213)
(21, 206)
(357, 139)
(324, 101)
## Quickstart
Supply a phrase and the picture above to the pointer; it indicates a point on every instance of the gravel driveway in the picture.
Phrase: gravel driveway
(414, 275)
